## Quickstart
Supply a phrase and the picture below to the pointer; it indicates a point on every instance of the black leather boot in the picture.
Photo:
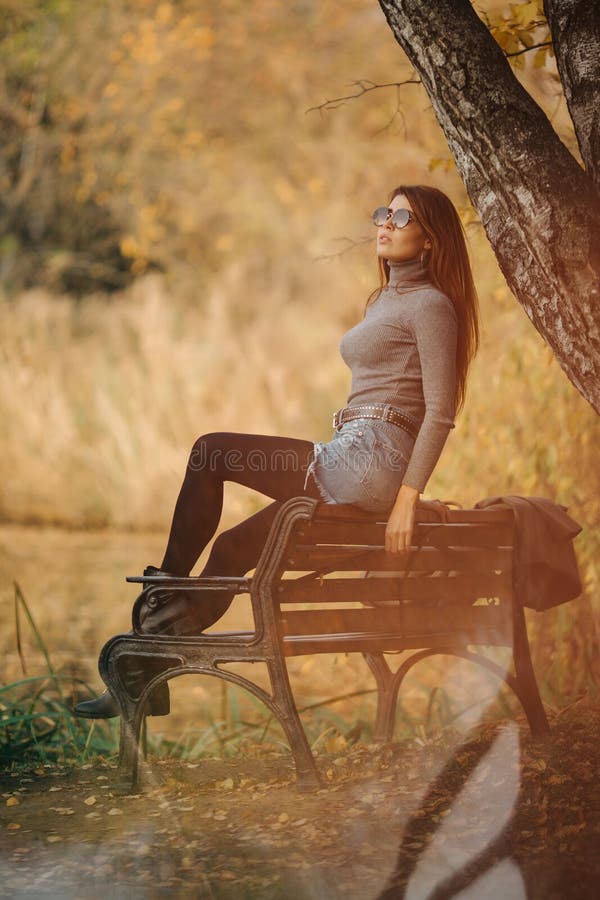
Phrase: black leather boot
(166, 611)
(106, 707)
(103, 707)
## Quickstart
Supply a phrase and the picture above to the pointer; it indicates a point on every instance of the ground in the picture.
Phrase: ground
(493, 814)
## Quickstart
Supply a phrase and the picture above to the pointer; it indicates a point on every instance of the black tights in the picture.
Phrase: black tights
(275, 466)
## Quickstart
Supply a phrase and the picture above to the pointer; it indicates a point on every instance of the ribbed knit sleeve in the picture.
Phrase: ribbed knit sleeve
(434, 326)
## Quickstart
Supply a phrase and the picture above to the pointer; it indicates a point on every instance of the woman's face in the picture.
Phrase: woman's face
(401, 244)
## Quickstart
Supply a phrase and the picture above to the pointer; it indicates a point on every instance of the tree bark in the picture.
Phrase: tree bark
(575, 27)
(539, 208)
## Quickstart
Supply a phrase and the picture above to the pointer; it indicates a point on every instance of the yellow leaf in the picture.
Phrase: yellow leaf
(525, 37)
(525, 14)
(89, 801)
(13, 801)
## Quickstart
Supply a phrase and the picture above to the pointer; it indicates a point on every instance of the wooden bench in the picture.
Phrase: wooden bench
(325, 584)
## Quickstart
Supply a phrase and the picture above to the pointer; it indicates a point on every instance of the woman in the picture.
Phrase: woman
(409, 358)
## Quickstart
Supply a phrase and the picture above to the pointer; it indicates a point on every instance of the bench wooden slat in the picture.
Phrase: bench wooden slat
(462, 588)
(441, 535)
(306, 557)
(384, 643)
(475, 621)
(331, 512)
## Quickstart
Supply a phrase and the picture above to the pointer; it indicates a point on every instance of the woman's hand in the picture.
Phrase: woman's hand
(399, 529)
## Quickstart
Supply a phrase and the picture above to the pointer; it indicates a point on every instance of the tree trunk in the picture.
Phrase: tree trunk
(539, 208)
(575, 27)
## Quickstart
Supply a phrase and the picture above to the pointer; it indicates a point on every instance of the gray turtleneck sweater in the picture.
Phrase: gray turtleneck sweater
(404, 352)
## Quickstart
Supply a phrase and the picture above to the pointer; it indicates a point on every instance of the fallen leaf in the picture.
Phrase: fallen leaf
(53, 839)
(89, 801)
(13, 801)
(283, 818)
(13, 826)
(115, 812)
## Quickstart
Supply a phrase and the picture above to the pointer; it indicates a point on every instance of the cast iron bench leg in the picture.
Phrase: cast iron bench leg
(287, 713)
(528, 689)
(387, 695)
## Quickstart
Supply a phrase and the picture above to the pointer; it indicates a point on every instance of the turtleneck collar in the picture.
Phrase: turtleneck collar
(407, 274)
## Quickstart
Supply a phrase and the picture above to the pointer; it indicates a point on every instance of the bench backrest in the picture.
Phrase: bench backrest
(333, 586)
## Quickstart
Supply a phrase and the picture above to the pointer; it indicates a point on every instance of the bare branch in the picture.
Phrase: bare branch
(352, 245)
(365, 87)
(527, 49)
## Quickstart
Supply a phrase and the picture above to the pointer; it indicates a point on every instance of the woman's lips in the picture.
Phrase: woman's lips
(384, 239)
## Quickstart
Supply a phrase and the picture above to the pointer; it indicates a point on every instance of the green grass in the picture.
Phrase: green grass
(36, 722)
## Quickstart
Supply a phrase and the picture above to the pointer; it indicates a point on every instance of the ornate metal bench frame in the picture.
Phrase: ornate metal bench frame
(430, 603)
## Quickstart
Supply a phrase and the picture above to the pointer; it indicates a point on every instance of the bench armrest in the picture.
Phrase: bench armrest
(196, 583)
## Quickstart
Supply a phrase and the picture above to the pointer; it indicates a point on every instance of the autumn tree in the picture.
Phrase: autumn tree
(538, 203)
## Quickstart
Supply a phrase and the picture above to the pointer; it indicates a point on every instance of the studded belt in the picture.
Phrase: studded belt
(384, 411)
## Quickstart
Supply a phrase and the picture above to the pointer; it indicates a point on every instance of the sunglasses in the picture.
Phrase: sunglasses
(399, 217)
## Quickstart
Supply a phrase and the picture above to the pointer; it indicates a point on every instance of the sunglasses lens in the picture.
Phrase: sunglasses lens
(380, 215)
(401, 218)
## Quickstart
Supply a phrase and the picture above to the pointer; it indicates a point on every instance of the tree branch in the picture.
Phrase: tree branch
(575, 26)
(351, 245)
(527, 49)
(365, 87)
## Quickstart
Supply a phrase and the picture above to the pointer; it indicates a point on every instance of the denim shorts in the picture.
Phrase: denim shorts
(363, 464)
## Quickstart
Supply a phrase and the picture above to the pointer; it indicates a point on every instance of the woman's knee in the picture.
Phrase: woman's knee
(208, 451)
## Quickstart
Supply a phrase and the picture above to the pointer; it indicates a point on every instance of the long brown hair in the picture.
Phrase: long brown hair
(449, 270)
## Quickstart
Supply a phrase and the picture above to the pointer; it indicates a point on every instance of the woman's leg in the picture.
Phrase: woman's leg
(275, 466)
(234, 552)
